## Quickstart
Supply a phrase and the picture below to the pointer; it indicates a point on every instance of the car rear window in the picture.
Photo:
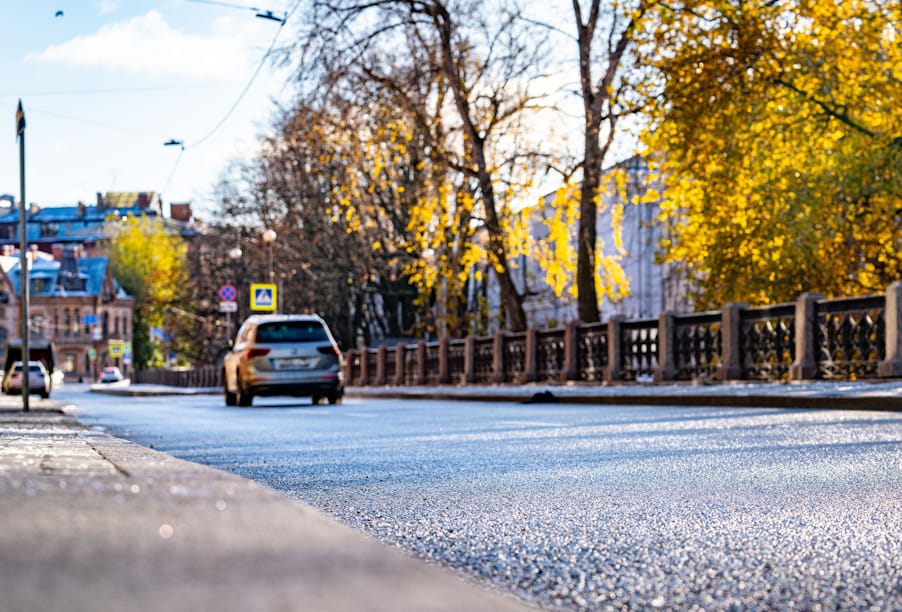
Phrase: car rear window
(292, 331)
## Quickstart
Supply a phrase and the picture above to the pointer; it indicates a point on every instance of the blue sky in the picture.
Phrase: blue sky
(105, 84)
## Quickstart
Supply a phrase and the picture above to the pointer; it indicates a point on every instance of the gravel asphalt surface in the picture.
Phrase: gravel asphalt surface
(583, 507)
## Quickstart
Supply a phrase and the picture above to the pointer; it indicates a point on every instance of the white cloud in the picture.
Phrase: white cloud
(148, 45)
(108, 6)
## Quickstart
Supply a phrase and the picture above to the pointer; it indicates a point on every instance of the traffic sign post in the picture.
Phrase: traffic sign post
(228, 294)
(264, 297)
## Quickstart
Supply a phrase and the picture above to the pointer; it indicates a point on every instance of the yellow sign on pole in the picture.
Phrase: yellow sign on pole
(116, 349)
(264, 296)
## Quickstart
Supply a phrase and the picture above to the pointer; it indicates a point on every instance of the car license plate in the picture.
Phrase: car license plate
(294, 362)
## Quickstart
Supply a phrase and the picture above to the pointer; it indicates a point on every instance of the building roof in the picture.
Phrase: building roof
(92, 270)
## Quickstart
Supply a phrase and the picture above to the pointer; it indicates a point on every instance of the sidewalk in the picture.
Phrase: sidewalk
(91, 522)
(883, 395)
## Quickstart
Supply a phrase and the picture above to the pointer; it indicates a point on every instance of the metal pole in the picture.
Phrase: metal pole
(23, 258)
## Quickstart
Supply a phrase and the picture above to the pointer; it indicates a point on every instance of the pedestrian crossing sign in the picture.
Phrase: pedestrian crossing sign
(264, 297)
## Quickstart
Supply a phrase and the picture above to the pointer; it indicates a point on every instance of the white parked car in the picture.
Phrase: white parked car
(38, 379)
(110, 375)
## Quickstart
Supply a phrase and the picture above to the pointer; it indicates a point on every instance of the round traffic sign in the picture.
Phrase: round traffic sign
(227, 293)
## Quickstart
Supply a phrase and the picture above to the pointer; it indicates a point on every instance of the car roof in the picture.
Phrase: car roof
(31, 363)
(271, 318)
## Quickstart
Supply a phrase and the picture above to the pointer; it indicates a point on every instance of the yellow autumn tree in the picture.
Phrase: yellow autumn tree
(149, 262)
(779, 134)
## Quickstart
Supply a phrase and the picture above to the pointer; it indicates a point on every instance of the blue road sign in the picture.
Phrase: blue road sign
(263, 297)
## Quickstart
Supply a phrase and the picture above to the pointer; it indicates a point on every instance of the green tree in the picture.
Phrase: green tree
(149, 261)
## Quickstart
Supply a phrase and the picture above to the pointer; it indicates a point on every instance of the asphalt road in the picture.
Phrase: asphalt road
(577, 507)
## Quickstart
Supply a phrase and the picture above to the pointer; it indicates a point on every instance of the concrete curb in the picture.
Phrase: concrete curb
(152, 390)
(813, 395)
(724, 401)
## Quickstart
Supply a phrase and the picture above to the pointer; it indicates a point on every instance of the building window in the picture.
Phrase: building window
(67, 323)
(69, 361)
(50, 230)
(37, 326)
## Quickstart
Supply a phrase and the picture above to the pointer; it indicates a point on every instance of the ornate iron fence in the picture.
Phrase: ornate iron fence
(592, 351)
(372, 359)
(639, 349)
(514, 357)
(410, 365)
(483, 359)
(390, 365)
(697, 345)
(767, 342)
(457, 351)
(550, 352)
(850, 337)
(432, 362)
(207, 376)
(839, 339)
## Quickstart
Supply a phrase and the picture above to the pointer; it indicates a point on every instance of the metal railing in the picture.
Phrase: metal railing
(813, 338)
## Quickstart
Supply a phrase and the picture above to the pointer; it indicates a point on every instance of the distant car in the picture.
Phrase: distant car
(292, 355)
(38, 379)
(110, 375)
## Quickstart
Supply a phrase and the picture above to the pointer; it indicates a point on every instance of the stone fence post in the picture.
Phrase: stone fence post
(613, 372)
(444, 373)
(364, 358)
(571, 352)
(891, 367)
(469, 360)
(400, 357)
(666, 369)
(531, 358)
(349, 367)
(730, 341)
(498, 357)
(380, 367)
(805, 365)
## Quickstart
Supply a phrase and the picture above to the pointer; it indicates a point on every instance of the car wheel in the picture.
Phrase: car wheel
(335, 398)
(315, 400)
(245, 398)
(230, 399)
(45, 395)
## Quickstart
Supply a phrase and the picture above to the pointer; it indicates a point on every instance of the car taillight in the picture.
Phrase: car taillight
(257, 352)
(328, 350)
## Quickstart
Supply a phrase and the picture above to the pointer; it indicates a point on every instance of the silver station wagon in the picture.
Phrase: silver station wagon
(292, 355)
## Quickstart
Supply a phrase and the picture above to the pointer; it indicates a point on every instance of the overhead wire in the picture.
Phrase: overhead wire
(244, 91)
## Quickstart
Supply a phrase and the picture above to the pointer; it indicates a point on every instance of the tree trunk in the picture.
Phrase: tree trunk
(513, 301)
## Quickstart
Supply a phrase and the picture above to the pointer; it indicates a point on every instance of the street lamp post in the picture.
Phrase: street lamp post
(234, 254)
(269, 237)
